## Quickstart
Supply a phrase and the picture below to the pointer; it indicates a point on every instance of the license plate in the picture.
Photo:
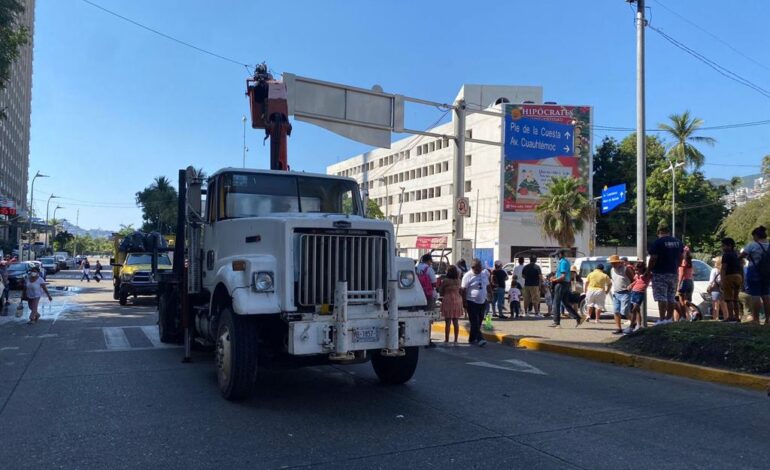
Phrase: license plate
(366, 335)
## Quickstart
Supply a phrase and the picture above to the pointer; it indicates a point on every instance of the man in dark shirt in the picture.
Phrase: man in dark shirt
(533, 278)
(665, 257)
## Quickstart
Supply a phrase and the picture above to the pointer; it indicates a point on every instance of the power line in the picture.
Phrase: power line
(734, 49)
(712, 64)
(704, 128)
(164, 35)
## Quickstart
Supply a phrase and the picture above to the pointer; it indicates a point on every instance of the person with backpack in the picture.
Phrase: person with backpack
(758, 273)
(427, 278)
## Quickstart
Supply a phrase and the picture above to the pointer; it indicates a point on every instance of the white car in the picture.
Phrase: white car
(700, 275)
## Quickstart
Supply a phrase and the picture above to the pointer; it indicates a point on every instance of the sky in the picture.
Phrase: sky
(114, 105)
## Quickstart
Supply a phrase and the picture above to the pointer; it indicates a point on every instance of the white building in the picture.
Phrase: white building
(421, 169)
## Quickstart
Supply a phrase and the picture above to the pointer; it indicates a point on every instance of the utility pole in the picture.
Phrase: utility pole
(400, 205)
(458, 121)
(641, 146)
(476, 224)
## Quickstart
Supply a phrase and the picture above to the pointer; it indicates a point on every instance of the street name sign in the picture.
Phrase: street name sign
(531, 139)
(612, 197)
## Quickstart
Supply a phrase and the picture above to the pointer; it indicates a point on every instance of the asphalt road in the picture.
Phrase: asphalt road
(90, 387)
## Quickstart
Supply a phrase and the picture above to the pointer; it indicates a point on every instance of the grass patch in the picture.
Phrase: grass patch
(739, 347)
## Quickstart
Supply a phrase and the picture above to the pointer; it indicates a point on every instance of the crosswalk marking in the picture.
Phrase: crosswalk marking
(115, 338)
(151, 332)
(516, 365)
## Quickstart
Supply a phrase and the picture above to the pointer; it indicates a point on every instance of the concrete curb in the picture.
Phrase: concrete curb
(609, 356)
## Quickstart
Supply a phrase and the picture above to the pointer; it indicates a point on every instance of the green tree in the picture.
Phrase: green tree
(61, 240)
(564, 211)
(13, 36)
(766, 167)
(735, 183)
(739, 224)
(126, 230)
(682, 129)
(159, 205)
(373, 211)
(700, 209)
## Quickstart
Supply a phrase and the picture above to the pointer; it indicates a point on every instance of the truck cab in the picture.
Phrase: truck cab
(292, 271)
(134, 276)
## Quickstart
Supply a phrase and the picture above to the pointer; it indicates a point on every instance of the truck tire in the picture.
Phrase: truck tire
(236, 355)
(116, 291)
(122, 297)
(395, 370)
(168, 317)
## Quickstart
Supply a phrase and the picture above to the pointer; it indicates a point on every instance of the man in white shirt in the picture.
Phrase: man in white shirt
(474, 287)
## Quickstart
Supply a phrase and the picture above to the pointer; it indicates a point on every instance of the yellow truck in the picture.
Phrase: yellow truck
(132, 272)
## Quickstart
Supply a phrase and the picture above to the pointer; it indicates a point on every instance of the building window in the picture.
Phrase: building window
(468, 160)
(411, 218)
(432, 146)
(446, 166)
(469, 133)
(438, 191)
(431, 193)
(390, 200)
(444, 214)
(419, 151)
(468, 186)
(425, 194)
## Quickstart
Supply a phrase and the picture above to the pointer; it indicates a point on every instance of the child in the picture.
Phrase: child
(638, 289)
(514, 295)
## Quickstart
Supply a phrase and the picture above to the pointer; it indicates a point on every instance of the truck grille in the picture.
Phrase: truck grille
(141, 276)
(361, 260)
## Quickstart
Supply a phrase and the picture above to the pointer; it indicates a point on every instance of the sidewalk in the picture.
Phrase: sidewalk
(592, 341)
(587, 334)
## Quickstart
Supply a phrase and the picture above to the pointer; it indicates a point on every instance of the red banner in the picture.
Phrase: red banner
(430, 243)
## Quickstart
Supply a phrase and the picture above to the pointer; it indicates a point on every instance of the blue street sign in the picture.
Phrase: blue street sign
(613, 197)
(532, 139)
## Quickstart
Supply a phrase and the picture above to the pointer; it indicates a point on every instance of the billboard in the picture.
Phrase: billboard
(541, 142)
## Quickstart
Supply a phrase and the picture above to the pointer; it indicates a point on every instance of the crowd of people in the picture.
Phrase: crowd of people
(737, 279)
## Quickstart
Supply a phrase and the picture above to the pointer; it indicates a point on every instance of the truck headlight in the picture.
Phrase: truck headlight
(263, 281)
(126, 277)
(405, 279)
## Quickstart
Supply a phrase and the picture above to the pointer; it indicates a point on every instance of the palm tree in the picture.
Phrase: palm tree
(735, 183)
(564, 211)
(683, 128)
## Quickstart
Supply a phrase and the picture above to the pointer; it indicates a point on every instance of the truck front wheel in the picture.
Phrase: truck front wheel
(395, 370)
(122, 297)
(236, 355)
(116, 291)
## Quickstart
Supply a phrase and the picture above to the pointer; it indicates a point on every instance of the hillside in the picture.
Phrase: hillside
(94, 233)
(746, 181)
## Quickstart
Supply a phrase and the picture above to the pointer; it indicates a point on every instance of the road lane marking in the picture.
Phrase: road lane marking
(115, 338)
(151, 332)
(522, 366)
(518, 366)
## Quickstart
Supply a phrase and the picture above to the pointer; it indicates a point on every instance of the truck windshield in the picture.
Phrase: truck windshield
(255, 194)
(143, 258)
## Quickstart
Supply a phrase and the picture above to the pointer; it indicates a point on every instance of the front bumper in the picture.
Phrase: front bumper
(139, 288)
(361, 320)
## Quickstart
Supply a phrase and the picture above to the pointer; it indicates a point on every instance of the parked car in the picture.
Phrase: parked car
(700, 275)
(49, 264)
(17, 274)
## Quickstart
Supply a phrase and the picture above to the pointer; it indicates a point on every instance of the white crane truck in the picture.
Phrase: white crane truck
(283, 269)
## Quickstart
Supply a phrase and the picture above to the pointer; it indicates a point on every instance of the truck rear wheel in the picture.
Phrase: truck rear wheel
(395, 370)
(168, 317)
(236, 355)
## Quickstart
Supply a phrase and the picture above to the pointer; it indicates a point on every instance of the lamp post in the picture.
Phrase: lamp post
(672, 168)
(387, 203)
(47, 208)
(54, 218)
(31, 201)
